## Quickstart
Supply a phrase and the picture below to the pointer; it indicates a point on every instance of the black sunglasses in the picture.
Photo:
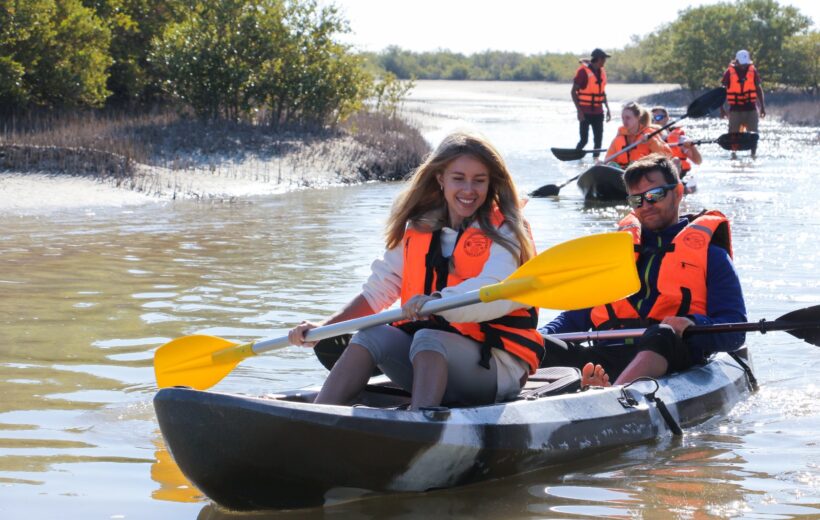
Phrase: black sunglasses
(651, 196)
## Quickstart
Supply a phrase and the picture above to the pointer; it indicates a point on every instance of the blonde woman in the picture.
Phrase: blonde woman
(457, 226)
(636, 129)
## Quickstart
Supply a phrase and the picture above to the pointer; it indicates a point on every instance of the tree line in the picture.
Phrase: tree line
(692, 51)
(275, 61)
(281, 62)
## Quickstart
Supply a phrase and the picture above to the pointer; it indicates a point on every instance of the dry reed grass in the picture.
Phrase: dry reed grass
(133, 149)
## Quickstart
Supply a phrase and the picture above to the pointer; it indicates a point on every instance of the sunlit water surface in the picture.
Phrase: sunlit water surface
(87, 295)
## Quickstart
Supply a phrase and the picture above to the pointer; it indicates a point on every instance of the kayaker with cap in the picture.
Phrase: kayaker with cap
(589, 95)
(744, 95)
(636, 128)
(686, 152)
(457, 226)
(687, 278)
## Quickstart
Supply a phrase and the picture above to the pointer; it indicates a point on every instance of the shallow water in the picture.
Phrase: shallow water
(87, 295)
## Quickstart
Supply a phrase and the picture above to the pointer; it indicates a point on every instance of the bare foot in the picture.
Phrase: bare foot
(594, 375)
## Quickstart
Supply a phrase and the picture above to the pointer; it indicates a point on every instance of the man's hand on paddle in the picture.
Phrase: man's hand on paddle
(678, 323)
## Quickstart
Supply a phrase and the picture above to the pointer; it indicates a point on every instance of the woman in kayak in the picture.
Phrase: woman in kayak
(636, 129)
(456, 227)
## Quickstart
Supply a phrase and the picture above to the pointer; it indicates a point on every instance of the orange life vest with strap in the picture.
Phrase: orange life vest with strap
(622, 141)
(592, 96)
(677, 151)
(681, 280)
(427, 271)
(741, 92)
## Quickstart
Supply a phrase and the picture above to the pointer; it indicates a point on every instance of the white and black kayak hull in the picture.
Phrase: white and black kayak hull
(282, 452)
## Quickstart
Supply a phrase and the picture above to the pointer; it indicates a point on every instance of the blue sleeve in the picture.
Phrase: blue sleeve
(569, 321)
(724, 304)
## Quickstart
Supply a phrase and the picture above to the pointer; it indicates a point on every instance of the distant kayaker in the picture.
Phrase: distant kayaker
(744, 95)
(686, 152)
(636, 128)
(589, 96)
(687, 278)
(457, 226)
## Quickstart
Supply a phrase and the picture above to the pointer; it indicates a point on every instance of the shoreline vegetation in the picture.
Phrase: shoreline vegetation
(166, 155)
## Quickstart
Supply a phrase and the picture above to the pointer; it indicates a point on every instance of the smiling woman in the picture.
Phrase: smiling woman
(456, 227)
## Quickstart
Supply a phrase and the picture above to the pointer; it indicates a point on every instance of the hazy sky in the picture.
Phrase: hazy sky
(529, 26)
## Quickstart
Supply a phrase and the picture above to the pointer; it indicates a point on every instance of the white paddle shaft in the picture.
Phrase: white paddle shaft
(382, 318)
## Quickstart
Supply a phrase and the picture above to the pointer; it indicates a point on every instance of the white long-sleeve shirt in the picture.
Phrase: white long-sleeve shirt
(383, 287)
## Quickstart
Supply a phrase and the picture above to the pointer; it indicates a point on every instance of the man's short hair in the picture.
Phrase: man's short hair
(652, 162)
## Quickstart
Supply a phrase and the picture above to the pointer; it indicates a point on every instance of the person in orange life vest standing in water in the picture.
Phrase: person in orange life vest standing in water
(589, 95)
(636, 129)
(685, 152)
(457, 226)
(744, 94)
(687, 278)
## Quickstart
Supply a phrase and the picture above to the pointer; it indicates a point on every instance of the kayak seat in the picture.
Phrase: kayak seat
(551, 381)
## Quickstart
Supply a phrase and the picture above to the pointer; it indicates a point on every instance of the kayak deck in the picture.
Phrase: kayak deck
(283, 451)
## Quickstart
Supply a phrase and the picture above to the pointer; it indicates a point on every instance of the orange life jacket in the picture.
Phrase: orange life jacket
(593, 94)
(741, 92)
(681, 281)
(621, 141)
(677, 151)
(427, 271)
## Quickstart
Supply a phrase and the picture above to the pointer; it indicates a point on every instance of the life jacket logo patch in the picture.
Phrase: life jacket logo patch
(695, 241)
(476, 245)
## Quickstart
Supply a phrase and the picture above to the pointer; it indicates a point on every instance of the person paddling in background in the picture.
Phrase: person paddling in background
(589, 95)
(744, 94)
(636, 129)
(456, 227)
(686, 152)
(687, 278)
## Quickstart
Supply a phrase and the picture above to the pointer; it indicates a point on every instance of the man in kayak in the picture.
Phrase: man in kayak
(636, 129)
(744, 94)
(687, 278)
(682, 148)
(589, 95)
(457, 226)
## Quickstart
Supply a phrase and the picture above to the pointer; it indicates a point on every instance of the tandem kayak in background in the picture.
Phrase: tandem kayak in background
(603, 183)
(283, 451)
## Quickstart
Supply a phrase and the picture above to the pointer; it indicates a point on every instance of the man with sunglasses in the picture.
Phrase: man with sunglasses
(687, 278)
(675, 137)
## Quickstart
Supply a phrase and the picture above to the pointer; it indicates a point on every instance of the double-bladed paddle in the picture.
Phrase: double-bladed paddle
(579, 273)
(736, 141)
(700, 107)
(802, 323)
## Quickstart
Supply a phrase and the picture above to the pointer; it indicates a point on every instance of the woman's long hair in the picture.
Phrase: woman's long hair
(422, 203)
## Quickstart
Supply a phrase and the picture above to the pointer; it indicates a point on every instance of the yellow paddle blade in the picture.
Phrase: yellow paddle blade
(576, 274)
(197, 361)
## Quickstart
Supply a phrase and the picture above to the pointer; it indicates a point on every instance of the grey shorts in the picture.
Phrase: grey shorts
(393, 350)
(748, 120)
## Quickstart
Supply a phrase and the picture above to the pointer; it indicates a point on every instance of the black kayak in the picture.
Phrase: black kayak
(282, 451)
(603, 183)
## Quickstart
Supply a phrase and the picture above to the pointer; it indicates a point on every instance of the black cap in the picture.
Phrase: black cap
(599, 53)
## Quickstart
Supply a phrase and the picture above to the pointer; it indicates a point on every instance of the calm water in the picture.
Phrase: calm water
(86, 296)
